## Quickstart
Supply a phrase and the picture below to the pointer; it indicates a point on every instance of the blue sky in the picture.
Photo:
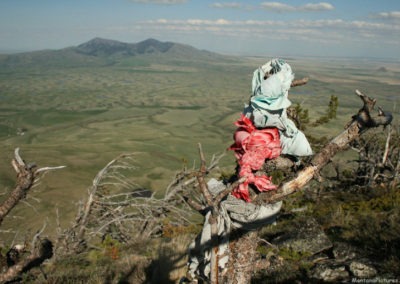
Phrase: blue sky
(355, 28)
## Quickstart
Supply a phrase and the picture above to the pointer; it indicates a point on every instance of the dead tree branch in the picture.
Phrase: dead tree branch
(213, 206)
(299, 82)
(360, 122)
(119, 207)
(385, 154)
(92, 193)
(27, 175)
(42, 250)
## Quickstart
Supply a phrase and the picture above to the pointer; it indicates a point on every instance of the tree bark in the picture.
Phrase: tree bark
(25, 179)
(243, 255)
(26, 175)
(36, 258)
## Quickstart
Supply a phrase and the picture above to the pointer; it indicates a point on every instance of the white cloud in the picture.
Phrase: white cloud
(393, 15)
(318, 31)
(322, 6)
(252, 36)
(309, 7)
(162, 2)
(227, 5)
(277, 7)
(191, 22)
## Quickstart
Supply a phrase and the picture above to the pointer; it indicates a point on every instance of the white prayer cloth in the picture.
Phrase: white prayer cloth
(268, 103)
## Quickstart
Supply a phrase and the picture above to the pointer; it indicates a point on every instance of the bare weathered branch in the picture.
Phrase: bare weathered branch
(93, 190)
(118, 206)
(211, 202)
(41, 251)
(362, 121)
(18, 158)
(45, 169)
(386, 152)
(193, 204)
(299, 82)
(25, 178)
(228, 190)
(27, 175)
(200, 178)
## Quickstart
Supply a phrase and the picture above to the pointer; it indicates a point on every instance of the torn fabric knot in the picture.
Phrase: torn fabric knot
(268, 103)
(252, 147)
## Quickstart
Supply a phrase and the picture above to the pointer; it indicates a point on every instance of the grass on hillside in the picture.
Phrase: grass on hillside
(85, 116)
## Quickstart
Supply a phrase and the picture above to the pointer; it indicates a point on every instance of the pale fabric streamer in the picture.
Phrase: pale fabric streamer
(268, 103)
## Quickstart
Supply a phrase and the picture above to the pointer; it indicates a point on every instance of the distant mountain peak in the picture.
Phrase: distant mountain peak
(105, 47)
(104, 52)
(101, 41)
(101, 46)
(150, 41)
(152, 45)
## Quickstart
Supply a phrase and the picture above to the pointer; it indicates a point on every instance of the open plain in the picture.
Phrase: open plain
(158, 105)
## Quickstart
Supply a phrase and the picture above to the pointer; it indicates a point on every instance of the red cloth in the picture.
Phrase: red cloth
(252, 146)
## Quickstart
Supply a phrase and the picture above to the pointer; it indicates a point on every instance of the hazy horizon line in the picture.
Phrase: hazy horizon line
(236, 54)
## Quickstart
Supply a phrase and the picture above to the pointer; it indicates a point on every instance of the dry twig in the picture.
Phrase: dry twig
(27, 176)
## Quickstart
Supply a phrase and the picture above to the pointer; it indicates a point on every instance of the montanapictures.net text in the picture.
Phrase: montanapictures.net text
(375, 280)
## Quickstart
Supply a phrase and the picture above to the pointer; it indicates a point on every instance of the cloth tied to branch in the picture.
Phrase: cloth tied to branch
(268, 103)
(252, 146)
(233, 213)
